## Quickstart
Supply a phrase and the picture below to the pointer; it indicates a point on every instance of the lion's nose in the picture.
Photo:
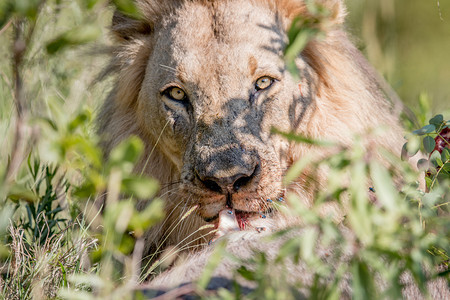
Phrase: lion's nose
(228, 184)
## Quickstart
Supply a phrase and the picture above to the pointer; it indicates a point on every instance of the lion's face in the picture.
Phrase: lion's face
(215, 85)
(204, 82)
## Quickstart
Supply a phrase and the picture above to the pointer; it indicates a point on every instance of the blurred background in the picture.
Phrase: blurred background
(408, 42)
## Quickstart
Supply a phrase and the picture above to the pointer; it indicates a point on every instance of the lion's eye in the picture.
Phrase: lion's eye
(175, 93)
(263, 83)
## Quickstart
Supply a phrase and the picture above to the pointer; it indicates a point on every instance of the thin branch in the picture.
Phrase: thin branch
(21, 41)
(4, 28)
(183, 290)
(18, 48)
(440, 11)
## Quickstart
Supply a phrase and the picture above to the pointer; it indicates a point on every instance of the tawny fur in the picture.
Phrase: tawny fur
(214, 51)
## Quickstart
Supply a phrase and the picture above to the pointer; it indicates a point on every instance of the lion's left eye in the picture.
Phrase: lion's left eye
(263, 83)
(176, 94)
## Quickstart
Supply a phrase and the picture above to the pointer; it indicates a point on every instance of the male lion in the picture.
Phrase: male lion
(202, 83)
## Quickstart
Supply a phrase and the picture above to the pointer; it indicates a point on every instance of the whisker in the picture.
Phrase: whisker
(184, 247)
(167, 68)
(173, 190)
(171, 212)
(172, 228)
(154, 147)
(168, 184)
(162, 226)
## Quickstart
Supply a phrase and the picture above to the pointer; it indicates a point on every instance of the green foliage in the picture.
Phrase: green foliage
(18, 8)
(404, 231)
(42, 218)
(128, 7)
(74, 37)
(437, 166)
(218, 254)
(54, 239)
(303, 30)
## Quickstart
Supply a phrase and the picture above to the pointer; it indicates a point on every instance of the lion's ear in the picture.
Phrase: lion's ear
(337, 10)
(126, 28)
(294, 8)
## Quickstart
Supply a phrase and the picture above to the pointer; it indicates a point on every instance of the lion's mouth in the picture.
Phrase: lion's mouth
(230, 220)
(231, 217)
(242, 218)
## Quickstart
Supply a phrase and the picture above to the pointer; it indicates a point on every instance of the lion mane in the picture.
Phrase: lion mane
(217, 54)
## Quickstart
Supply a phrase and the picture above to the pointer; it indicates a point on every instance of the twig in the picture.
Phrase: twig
(176, 293)
(21, 40)
(18, 48)
(6, 26)
(136, 261)
(440, 11)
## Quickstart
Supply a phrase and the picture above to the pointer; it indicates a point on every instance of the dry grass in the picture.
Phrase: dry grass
(38, 271)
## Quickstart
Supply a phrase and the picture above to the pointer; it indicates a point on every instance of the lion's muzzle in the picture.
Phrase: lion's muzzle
(230, 180)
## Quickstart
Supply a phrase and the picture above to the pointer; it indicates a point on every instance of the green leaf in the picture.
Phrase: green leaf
(6, 12)
(127, 7)
(363, 283)
(383, 185)
(64, 275)
(296, 169)
(4, 252)
(234, 294)
(435, 158)
(445, 154)
(19, 192)
(49, 122)
(82, 118)
(6, 212)
(74, 37)
(428, 181)
(90, 3)
(213, 262)
(429, 144)
(413, 145)
(298, 44)
(294, 29)
(246, 273)
(127, 152)
(437, 120)
(299, 34)
(309, 241)
(290, 249)
(302, 139)
(424, 106)
(117, 216)
(446, 167)
(143, 220)
(141, 187)
(423, 164)
(126, 244)
(425, 129)
(416, 268)
(27, 8)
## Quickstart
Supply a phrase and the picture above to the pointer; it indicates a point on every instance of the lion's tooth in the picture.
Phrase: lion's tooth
(227, 223)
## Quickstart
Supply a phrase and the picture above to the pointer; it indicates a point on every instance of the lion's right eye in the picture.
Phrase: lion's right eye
(263, 83)
(175, 93)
